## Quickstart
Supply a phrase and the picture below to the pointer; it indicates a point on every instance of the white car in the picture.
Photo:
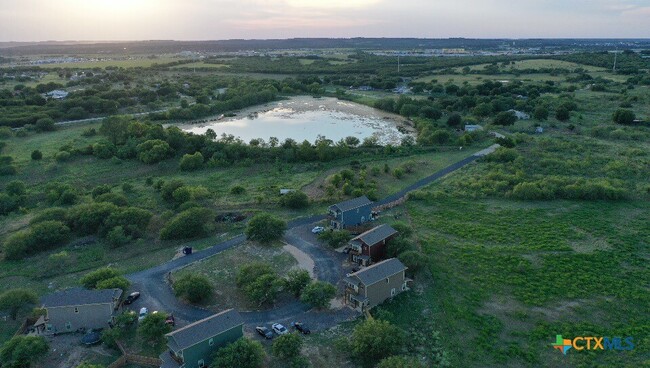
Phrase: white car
(143, 313)
(317, 230)
(279, 329)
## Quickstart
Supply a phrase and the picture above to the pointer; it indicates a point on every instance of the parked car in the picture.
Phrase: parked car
(264, 332)
(279, 329)
(301, 327)
(317, 230)
(170, 320)
(143, 313)
(132, 297)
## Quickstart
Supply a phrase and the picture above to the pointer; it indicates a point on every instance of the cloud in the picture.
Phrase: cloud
(331, 4)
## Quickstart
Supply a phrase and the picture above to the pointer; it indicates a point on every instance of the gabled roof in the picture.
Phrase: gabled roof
(376, 234)
(379, 271)
(352, 203)
(79, 296)
(204, 329)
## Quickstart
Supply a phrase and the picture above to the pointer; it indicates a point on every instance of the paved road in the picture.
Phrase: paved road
(156, 294)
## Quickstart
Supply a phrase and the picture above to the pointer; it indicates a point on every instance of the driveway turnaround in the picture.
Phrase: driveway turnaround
(156, 293)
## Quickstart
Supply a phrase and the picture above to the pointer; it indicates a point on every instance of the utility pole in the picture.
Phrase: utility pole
(615, 57)
(398, 64)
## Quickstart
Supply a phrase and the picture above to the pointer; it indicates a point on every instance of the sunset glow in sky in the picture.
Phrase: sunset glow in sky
(37, 20)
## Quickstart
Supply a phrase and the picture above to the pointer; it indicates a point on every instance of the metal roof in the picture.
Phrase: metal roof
(353, 203)
(79, 296)
(376, 234)
(204, 329)
(379, 271)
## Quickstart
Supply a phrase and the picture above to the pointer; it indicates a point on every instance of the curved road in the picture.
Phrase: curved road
(156, 294)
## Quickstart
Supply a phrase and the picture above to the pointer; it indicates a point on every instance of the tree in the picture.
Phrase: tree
(352, 141)
(264, 289)
(188, 224)
(623, 116)
(153, 326)
(16, 300)
(117, 282)
(45, 125)
(454, 120)
(243, 353)
(296, 281)
(505, 118)
(88, 365)
(335, 239)
(115, 128)
(562, 114)
(23, 351)
(91, 279)
(37, 155)
(295, 199)
(191, 162)
(318, 294)
(193, 288)
(540, 113)
(265, 228)
(414, 260)
(153, 151)
(374, 340)
(431, 113)
(287, 346)
(400, 362)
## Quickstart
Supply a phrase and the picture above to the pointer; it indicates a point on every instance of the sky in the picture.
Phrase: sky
(40, 20)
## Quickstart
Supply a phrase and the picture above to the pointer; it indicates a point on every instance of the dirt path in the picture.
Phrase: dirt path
(304, 260)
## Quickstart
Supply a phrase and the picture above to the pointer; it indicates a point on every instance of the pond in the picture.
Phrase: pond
(305, 118)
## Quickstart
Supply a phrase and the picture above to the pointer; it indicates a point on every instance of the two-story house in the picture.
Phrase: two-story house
(353, 212)
(370, 247)
(72, 309)
(372, 285)
(195, 344)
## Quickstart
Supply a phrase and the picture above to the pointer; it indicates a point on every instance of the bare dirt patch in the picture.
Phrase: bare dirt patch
(304, 260)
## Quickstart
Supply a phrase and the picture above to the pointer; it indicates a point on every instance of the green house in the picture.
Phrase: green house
(195, 344)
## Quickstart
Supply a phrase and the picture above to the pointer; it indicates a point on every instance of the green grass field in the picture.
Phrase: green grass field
(134, 62)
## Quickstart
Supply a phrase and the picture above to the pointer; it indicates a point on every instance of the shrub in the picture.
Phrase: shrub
(318, 294)
(167, 189)
(562, 114)
(16, 188)
(454, 120)
(119, 200)
(295, 199)
(62, 156)
(193, 288)
(90, 280)
(37, 155)
(335, 239)
(87, 219)
(5, 132)
(104, 150)
(265, 228)
(237, 190)
(287, 346)
(400, 362)
(243, 353)
(191, 162)
(116, 237)
(623, 116)
(503, 154)
(45, 125)
(8, 203)
(133, 220)
(49, 214)
(540, 113)
(259, 282)
(398, 173)
(414, 260)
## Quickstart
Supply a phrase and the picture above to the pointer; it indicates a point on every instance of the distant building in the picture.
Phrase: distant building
(372, 285)
(72, 309)
(370, 247)
(57, 94)
(473, 128)
(195, 344)
(286, 191)
(365, 88)
(539, 130)
(350, 213)
(520, 114)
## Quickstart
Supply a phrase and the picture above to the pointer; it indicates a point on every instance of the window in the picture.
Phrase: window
(211, 342)
(201, 363)
(76, 310)
(403, 286)
(392, 292)
(387, 280)
(68, 326)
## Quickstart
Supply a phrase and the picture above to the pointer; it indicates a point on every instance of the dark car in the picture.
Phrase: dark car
(170, 320)
(264, 332)
(301, 327)
(132, 297)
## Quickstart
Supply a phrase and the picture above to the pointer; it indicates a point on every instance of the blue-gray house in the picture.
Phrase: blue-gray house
(350, 213)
